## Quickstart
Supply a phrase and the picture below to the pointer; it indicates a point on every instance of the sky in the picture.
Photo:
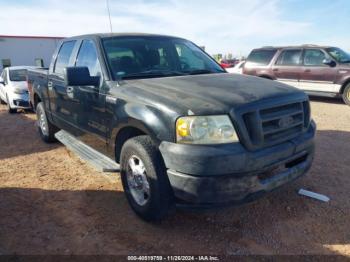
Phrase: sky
(222, 26)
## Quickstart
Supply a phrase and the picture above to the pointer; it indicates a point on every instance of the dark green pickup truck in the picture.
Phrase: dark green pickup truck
(185, 132)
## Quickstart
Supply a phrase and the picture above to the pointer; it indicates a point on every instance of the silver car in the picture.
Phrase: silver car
(14, 88)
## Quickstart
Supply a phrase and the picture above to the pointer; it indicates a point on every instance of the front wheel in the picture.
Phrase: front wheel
(46, 129)
(145, 180)
(2, 102)
(9, 108)
(346, 95)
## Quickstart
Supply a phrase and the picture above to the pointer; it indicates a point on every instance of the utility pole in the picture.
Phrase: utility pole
(109, 16)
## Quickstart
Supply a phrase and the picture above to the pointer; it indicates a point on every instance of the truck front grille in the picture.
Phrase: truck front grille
(267, 126)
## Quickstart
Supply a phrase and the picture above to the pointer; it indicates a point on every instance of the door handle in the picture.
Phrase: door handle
(49, 85)
(307, 71)
(275, 70)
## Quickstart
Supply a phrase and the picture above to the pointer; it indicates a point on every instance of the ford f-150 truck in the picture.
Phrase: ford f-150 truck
(184, 132)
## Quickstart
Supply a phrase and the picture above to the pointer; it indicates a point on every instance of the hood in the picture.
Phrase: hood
(204, 94)
(21, 85)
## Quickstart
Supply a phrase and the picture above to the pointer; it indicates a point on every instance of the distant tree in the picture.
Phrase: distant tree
(217, 57)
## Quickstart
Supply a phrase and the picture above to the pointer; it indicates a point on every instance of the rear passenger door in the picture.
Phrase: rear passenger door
(317, 76)
(288, 68)
(63, 102)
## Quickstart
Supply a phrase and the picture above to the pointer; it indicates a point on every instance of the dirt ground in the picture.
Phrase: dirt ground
(53, 203)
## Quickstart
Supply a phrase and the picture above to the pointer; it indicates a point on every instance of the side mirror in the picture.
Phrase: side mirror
(80, 76)
(329, 62)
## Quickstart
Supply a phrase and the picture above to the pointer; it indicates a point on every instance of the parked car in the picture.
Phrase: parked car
(237, 69)
(228, 63)
(13, 88)
(184, 131)
(318, 70)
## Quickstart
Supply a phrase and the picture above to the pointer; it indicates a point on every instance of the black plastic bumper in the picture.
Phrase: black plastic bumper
(207, 176)
(21, 103)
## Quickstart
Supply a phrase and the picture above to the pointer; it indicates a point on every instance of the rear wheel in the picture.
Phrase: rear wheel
(346, 95)
(46, 129)
(144, 179)
(9, 109)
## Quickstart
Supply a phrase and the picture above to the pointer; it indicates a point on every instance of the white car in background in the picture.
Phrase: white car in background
(14, 88)
(237, 69)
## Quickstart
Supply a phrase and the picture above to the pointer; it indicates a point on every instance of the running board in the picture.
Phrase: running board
(86, 153)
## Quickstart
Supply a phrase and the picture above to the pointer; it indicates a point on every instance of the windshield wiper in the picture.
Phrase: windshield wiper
(199, 71)
(202, 71)
(152, 73)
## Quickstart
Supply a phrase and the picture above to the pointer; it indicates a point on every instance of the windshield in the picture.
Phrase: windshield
(339, 55)
(145, 57)
(18, 75)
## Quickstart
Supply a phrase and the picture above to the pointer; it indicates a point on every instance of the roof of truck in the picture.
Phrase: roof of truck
(106, 35)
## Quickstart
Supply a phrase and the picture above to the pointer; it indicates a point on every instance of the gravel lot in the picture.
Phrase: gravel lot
(52, 203)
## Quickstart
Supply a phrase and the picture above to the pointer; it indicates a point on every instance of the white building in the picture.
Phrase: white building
(26, 50)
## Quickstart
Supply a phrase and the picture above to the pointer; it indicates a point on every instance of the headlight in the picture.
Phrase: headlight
(205, 130)
(19, 91)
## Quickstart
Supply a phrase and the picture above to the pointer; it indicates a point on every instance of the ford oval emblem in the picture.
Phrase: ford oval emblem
(285, 122)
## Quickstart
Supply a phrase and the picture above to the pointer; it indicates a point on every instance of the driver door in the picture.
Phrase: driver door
(91, 120)
(316, 76)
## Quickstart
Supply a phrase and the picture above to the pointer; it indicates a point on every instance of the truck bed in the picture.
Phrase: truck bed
(35, 78)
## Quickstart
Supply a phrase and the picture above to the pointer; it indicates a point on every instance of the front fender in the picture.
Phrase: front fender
(151, 121)
(344, 81)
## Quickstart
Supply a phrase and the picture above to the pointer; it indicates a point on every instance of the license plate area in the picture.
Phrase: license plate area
(281, 168)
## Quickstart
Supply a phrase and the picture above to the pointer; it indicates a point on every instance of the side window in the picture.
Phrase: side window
(2, 76)
(87, 56)
(289, 57)
(64, 56)
(314, 57)
(261, 56)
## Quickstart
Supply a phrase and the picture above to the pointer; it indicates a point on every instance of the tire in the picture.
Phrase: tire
(9, 109)
(158, 200)
(46, 129)
(2, 102)
(346, 95)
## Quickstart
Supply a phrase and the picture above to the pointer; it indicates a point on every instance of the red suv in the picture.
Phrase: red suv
(318, 70)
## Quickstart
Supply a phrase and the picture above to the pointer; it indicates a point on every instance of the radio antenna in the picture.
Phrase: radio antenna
(109, 16)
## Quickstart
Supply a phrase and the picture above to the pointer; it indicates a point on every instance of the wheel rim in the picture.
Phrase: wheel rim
(137, 180)
(348, 95)
(42, 122)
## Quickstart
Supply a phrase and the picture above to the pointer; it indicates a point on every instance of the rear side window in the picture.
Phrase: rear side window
(88, 57)
(64, 56)
(289, 57)
(261, 57)
(314, 57)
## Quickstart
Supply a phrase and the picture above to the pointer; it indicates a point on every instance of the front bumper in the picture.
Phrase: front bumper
(219, 175)
(19, 101)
